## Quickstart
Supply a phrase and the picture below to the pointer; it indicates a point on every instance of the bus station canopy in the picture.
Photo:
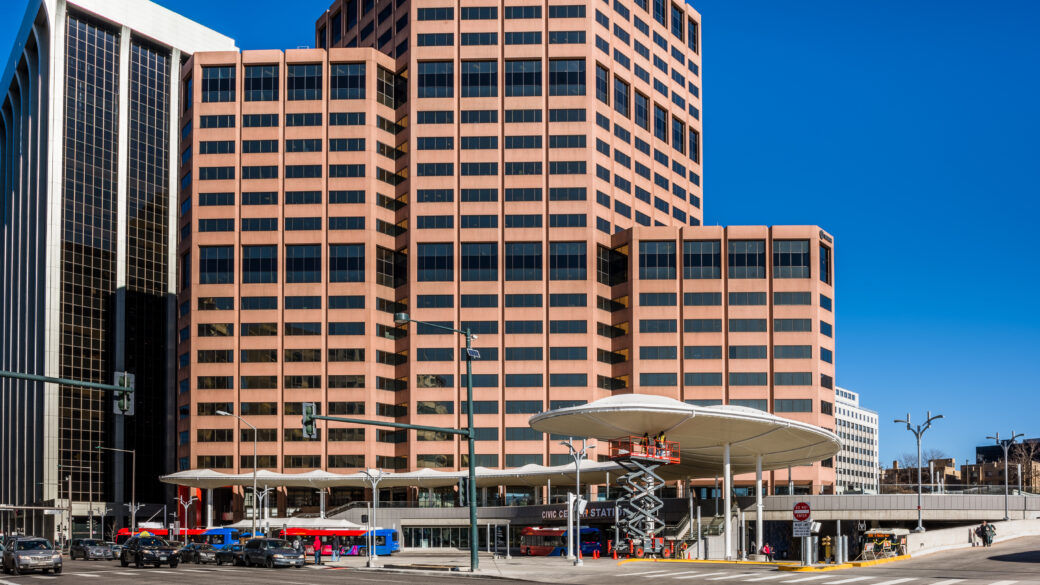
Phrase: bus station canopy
(701, 432)
(529, 475)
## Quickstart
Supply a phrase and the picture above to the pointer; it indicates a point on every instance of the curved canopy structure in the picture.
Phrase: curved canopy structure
(532, 475)
(701, 431)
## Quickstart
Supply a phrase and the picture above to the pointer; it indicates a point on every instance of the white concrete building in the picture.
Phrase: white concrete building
(89, 136)
(856, 466)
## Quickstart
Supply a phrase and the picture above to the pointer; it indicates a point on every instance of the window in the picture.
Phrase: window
(657, 352)
(660, 123)
(568, 380)
(747, 298)
(657, 299)
(657, 326)
(567, 11)
(678, 135)
(792, 405)
(479, 39)
(702, 299)
(435, 262)
(217, 225)
(747, 259)
(216, 265)
(657, 260)
(346, 264)
(566, 77)
(702, 325)
(825, 264)
(695, 146)
(479, 12)
(436, 79)
(826, 329)
(747, 352)
(788, 325)
(346, 118)
(303, 82)
(523, 78)
(745, 325)
(642, 111)
(261, 83)
(446, 13)
(215, 122)
(479, 117)
(347, 81)
(435, 195)
(602, 84)
(702, 352)
(259, 120)
(436, 40)
(567, 261)
(435, 143)
(791, 259)
(218, 84)
(479, 262)
(479, 79)
(748, 378)
(702, 259)
(524, 38)
(479, 195)
(792, 298)
(621, 96)
(792, 352)
(702, 379)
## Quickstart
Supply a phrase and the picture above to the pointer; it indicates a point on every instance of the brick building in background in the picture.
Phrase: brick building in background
(528, 170)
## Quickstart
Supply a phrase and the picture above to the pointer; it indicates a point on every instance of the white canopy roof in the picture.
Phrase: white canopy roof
(533, 475)
(298, 522)
(701, 431)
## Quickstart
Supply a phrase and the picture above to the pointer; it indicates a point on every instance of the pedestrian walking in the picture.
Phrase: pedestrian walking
(335, 548)
(767, 551)
(317, 550)
(986, 532)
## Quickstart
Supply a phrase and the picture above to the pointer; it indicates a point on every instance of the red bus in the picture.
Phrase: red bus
(183, 535)
(352, 542)
(539, 541)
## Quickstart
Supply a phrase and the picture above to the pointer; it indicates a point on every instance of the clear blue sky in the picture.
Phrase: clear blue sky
(907, 129)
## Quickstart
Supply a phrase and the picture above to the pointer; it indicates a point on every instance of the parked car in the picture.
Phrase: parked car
(271, 552)
(198, 553)
(231, 555)
(89, 549)
(144, 548)
(31, 554)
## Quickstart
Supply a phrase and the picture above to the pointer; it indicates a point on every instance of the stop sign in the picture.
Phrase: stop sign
(801, 511)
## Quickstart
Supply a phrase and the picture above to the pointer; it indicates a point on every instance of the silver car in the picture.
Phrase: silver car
(31, 554)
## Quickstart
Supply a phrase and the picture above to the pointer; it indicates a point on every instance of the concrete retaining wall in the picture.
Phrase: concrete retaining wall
(932, 541)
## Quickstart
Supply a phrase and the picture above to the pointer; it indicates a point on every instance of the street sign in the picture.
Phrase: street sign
(802, 511)
(52, 512)
(802, 528)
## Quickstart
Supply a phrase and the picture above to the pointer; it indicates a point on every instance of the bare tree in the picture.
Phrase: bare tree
(932, 454)
(1025, 454)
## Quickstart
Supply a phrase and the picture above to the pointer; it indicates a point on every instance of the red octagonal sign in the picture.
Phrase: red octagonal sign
(801, 511)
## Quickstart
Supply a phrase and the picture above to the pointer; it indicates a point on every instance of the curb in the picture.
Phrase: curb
(855, 564)
(706, 562)
(462, 574)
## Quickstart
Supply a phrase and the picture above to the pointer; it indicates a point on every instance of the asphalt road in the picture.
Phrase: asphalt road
(1015, 562)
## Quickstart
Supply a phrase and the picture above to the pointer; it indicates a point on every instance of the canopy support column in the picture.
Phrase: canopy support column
(727, 488)
(758, 503)
(209, 508)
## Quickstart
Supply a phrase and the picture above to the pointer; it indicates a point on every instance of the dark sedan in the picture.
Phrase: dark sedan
(30, 554)
(146, 549)
(231, 555)
(199, 553)
(89, 550)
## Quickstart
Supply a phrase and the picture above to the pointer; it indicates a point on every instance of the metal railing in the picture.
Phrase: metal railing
(940, 489)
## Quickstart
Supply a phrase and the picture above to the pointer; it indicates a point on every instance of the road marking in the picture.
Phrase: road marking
(1003, 582)
(768, 577)
(732, 576)
(2, 582)
(42, 577)
(675, 575)
(90, 575)
(949, 582)
(196, 570)
(644, 573)
(704, 575)
(811, 578)
(905, 579)
(853, 579)
(123, 573)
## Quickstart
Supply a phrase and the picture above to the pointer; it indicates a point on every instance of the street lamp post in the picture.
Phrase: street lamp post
(400, 319)
(918, 431)
(374, 476)
(1005, 444)
(90, 490)
(224, 413)
(577, 455)
(186, 504)
(133, 506)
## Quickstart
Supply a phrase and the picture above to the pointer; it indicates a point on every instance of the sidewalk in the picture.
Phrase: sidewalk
(544, 569)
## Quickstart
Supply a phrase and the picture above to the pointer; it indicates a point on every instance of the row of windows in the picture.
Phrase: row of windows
(291, 145)
(291, 172)
(272, 120)
(302, 82)
(436, 79)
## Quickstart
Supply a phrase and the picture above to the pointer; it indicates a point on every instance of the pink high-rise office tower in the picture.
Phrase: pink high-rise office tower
(530, 170)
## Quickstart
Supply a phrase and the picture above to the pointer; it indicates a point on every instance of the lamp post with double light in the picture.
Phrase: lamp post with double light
(471, 354)
(1005, 444)
(918, 431)
(577, 455)
(245, 422)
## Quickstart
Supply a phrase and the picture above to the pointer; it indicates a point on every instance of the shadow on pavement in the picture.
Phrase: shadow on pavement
(1032, 556)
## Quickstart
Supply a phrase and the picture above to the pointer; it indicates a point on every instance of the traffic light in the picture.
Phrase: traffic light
(310, 431)
(463, 491)
(123, 402)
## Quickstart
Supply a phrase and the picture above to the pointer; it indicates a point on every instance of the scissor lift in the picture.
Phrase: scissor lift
(638, 507)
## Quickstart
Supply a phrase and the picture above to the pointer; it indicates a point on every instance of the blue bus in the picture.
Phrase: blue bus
(222, 538)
